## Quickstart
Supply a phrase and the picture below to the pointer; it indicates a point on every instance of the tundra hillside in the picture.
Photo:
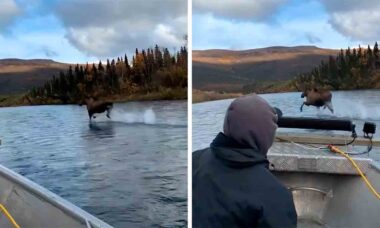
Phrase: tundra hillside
(153, 74)
(286, 69)
(229, 71)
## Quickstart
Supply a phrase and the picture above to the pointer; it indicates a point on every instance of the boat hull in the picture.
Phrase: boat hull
(34, 206)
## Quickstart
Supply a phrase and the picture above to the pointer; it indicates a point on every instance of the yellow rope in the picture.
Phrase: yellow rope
(9, 216)
(369, 185)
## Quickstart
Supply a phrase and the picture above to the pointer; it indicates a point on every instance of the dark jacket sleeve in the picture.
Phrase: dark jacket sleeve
(281, 214)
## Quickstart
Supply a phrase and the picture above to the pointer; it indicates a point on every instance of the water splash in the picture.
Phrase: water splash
(146, 117)
(355, 109)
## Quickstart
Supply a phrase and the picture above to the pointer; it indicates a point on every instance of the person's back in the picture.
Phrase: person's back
(232, 186)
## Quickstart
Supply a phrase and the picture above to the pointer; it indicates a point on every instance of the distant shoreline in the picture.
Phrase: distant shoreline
(163, 95)
(200, 96)
(210, 95)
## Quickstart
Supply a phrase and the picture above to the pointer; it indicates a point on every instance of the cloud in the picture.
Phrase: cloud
(217, 33)
(50, 53)
(109, 28)
(238, 9)
(357, 20)
(312, 38)
(348, 5)
(9, 10)
(39, 44)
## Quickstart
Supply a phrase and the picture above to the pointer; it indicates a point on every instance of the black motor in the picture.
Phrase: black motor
(369, 128)
(315, 123)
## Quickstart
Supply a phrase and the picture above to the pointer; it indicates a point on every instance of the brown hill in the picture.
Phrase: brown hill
(18, 75)
(228, 70)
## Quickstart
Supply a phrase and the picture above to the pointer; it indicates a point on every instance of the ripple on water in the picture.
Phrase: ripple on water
(120, 172)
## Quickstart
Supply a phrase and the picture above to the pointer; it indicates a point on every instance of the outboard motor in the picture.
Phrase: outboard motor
(316, 123)
(369, 128)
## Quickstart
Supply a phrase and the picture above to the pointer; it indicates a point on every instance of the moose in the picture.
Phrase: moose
(97, 106)
(318, 98)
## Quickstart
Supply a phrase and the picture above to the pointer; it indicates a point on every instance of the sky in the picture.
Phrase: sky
(246, 24)
(77, 31)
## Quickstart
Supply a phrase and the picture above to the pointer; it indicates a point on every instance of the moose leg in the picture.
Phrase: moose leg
(302, 106)
(91, 115)
(108, 113)
(109, 109)
(304, 103)
(330, 107)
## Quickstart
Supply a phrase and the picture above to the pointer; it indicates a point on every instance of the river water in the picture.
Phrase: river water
(130, 171)
(358, 106)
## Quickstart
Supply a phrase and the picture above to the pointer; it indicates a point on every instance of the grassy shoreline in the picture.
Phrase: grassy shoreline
(200, 96)
(164, 94)
(259, 88)
(204, 96)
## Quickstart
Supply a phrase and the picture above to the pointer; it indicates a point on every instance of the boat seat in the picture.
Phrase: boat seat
(292, 157)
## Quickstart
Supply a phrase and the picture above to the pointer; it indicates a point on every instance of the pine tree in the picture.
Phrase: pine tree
(158, 57)
(348, 70)
(150, 69)
(376, 51)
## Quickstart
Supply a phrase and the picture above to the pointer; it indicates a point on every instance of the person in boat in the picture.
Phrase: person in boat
(96, 106)
(232, 185)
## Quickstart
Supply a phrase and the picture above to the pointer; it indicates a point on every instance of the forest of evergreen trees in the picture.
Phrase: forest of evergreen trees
(350, 69)
(149, 71)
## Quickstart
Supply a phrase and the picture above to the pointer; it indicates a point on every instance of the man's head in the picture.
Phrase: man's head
(251, 121)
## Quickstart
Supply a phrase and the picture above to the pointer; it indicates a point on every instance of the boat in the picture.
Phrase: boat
(328, 190)
(24, 203)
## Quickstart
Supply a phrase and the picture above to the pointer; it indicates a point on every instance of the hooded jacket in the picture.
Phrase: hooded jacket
(232, 185)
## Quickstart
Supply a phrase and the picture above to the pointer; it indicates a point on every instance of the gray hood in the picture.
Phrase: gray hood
(251, 121)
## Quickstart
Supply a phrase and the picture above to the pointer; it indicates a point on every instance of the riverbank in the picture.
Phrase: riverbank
(11, 100)
(258, 87)
(162, 94)
(203, 96)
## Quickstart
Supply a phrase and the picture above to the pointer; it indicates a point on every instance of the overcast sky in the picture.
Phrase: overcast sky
(88, 30)
(244, 24)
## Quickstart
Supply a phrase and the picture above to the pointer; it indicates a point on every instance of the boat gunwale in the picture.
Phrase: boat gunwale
(375, 165)
(52, 198)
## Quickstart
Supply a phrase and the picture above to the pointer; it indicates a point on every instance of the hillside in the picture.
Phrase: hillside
(229, 70)
(18, 75)
(153, 74)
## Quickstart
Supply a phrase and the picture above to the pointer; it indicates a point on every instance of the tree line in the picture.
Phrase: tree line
(356, 68)
(149, 71)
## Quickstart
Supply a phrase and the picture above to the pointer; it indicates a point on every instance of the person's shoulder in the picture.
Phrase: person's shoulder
(198, 153)
(197, 156)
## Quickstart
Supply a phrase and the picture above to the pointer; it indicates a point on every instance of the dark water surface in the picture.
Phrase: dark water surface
(358, 106)
(130, 172)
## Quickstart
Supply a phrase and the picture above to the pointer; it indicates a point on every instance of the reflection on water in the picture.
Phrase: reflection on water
(100, 131)
(129, 171)
(358, 106)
